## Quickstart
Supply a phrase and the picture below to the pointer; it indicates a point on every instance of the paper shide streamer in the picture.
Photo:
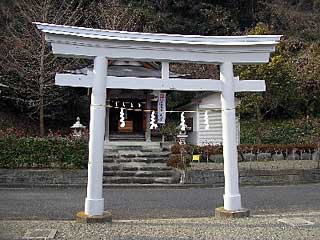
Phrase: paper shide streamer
(122, 121)
(182, 122)
(206, 120)
(153, 125)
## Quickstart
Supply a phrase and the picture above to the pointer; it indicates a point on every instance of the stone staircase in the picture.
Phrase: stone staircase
(137, 163)
(122, 137)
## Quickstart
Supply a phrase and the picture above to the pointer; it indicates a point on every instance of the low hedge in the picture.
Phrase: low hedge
(48, 152)
(179, 152)
(245, 148)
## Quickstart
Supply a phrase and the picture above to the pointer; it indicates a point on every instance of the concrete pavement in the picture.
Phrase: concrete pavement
(144, 203)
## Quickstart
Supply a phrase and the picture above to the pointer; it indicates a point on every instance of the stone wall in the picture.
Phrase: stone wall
(35, 177)
(54, 177)
(254, 177)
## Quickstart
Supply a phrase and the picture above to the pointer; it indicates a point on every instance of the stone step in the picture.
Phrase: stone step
(134, 166)
(124, 137)
(150, 167)
(128, 148)
(148, 148)
(131, 145)
(130, 154)
(117, 160)
(119, 173)
(152, 174)
(137, 163)
(135, 159)
(138, 180)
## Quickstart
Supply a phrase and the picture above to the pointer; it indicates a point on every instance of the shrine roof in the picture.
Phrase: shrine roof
(128, 69)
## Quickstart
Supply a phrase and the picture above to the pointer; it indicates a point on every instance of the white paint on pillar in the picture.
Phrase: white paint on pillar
(232, 198)
(94, 204)
(165, 72)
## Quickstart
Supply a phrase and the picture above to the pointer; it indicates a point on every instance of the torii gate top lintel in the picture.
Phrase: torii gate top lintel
(89, 43)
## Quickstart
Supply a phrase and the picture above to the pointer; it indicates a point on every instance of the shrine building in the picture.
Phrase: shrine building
(135, 101)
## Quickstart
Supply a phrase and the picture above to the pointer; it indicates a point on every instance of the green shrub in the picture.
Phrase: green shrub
(293, 131)
(49, 152)
(169, 130)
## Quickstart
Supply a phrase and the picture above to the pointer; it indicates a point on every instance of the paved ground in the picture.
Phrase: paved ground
(257, 227)
(63, 203)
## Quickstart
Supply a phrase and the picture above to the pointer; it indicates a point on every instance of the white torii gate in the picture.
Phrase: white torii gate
(100, 45)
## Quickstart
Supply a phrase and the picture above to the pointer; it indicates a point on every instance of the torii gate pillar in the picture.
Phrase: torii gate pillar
(94, 203)
(232, 198)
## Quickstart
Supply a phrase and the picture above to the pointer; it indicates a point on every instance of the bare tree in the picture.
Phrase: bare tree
(26, 63)
(115, 15)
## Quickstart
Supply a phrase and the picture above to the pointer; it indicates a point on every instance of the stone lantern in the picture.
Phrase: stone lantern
(77, 128)
(182, 136)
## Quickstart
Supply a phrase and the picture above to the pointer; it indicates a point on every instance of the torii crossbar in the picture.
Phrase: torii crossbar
(102, 45)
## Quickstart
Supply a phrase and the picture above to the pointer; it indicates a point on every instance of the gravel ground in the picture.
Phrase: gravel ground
(267, 165)
(256, 227)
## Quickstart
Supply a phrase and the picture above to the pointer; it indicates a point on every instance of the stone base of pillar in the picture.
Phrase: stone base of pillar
(222, 213)
(81, 217)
